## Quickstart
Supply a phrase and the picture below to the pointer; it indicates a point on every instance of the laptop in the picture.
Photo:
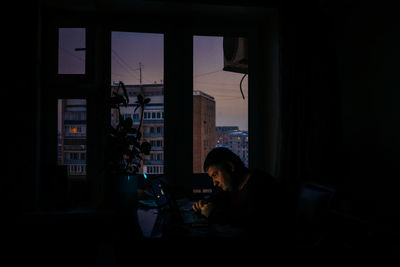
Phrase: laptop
(180, 211)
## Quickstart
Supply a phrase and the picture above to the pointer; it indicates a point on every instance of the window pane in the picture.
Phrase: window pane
(137, 60)
(71, 50)
(220, 114)
(72, 136)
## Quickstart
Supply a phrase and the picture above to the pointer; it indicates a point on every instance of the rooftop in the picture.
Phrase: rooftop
(200, 93)
(242, 133)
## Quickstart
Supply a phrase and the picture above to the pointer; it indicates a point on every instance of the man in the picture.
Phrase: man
(250, 200)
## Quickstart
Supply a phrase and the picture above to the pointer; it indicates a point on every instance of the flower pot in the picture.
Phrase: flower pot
(126, 191)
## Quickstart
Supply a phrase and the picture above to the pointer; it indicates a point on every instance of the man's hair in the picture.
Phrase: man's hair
(220, 156)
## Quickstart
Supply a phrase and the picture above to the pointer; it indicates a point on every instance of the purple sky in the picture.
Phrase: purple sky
(128, 49)
(224, 86)
(71, 61)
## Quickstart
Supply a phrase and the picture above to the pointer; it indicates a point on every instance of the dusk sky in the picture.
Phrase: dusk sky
(128, 49)
(224, 86)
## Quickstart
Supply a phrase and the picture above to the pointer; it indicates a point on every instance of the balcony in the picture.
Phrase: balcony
(74, 161)
(157, 148)
(153, 121)
(72, 142)
(153, 135)
(153, 162)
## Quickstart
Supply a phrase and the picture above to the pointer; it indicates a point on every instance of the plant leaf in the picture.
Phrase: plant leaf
(113, 101)
(131, 139)
(140, 99)
(118, 99)
(112, 131)
(138, 135)
(145, 148)
(136, 108)
(125, 92)
(128, 122)
(132, 130)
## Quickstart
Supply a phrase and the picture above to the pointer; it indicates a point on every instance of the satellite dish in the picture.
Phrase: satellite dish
(235, 54)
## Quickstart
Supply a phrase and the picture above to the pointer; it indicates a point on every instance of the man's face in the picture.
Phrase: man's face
(220, 177)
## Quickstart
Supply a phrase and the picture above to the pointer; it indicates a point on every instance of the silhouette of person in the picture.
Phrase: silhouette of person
(250, 200)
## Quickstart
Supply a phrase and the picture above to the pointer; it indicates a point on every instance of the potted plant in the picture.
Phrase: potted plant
(125, 148)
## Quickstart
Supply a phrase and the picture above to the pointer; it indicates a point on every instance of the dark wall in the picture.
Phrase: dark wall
(339, 111)
(20, 96)
(368, 65)
(340, 116)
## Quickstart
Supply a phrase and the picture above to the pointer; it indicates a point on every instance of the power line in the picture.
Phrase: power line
(140, 71)
(239, 99)
(125, 68)
(241, 90)
(207, 73)
(230, 96)
(222, 84)
(219, 88)
(123, 65)
(123, 61)
(71, 54)
(117, 74)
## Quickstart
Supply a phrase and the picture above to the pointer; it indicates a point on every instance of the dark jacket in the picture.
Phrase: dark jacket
(257, 208)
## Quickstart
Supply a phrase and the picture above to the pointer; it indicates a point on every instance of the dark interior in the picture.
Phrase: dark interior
(323, 109)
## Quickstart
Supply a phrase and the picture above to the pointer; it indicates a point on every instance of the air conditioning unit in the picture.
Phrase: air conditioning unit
(236, 54)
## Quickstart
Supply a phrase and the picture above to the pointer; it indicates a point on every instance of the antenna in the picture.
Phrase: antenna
(140, 71)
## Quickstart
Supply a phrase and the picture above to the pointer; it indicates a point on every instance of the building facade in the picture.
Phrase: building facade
(234, 139)
(72, 136)
(204, 137)
(153, 122)
(222, 133)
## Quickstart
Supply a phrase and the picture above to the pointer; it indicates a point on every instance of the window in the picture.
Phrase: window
(72, 136)
(71, 50)
(218, 105)
(137, 61)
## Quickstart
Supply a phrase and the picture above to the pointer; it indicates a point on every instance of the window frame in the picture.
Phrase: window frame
(178, 75)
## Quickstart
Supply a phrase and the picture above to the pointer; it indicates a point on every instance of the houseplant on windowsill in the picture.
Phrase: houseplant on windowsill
(125, 150)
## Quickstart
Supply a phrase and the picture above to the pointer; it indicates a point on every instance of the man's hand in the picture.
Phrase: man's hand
(203, 207)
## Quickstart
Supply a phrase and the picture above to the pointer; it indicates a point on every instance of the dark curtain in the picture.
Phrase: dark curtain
(310, 107)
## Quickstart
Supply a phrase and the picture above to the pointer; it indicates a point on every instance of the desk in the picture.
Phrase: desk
(173, 227)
